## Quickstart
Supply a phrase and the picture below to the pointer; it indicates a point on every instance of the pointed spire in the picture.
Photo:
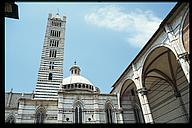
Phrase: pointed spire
(57, 16)
(57, 11)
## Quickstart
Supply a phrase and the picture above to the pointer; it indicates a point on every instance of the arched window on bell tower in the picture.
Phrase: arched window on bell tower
(50, 76)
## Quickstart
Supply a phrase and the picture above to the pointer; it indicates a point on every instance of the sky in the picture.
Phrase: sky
(103, 38)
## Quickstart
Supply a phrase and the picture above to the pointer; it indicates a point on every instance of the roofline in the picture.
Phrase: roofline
(167, 18)
(19, 92)
(45, 100)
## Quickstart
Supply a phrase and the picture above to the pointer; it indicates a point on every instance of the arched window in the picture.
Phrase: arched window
(40, 115)
(51, 65)
(50, 76)
(10, 119)
(78, 114)
(109, 116)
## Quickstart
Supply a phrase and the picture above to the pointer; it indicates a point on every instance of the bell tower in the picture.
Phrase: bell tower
(50, 73)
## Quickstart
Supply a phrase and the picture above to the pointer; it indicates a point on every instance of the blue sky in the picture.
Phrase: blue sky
(102, 37)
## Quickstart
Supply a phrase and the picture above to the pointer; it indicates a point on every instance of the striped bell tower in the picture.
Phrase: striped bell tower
(50, 73)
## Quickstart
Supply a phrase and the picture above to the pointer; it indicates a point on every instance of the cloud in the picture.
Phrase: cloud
(138, 24)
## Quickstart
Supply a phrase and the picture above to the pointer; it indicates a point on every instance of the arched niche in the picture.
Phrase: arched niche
(40, 114)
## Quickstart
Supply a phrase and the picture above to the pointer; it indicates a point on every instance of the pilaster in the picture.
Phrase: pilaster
(60, 109)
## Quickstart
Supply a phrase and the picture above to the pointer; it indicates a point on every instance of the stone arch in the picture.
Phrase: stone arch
(122, 88)
(166, 85)
(151, 50)
(10, 118)
(184, 31)
(40, 114)
(78, 102)
(110, 103)
(130, 103)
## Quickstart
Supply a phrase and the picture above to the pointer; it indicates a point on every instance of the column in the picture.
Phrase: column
(142, 94)
(119, 110)
(118, 100)
(184, 65)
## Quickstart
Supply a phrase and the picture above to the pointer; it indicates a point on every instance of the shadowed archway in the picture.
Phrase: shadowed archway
(129, 102)
(167, 86)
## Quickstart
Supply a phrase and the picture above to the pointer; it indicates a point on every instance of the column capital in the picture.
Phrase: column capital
(184, 56)
(142, 91)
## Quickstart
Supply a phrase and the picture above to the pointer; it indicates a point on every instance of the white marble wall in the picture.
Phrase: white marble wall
(93, 107)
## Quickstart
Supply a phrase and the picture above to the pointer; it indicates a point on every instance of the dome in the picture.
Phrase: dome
(77, 82)
(76, 79)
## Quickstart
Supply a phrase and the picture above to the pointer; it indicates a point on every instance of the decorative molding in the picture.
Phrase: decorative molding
(142, 91)
(184, 56)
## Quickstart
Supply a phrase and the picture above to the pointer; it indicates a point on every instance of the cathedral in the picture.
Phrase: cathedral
(154, 88)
